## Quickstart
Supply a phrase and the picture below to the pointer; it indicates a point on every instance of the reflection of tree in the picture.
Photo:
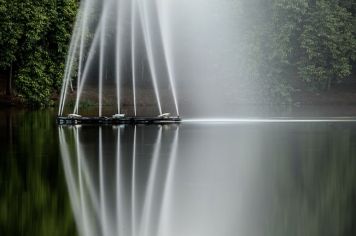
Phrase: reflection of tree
(311, 181)
(33, 199)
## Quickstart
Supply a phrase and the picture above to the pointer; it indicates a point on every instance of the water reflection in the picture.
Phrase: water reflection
(118, 177)
(33, 192)
(241, 179)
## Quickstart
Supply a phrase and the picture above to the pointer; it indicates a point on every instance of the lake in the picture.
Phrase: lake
(226, 179)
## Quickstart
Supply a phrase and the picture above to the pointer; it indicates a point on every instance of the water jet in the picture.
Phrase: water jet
(120, 29)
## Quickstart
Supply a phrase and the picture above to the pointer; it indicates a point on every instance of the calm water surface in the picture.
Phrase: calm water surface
(192, 179)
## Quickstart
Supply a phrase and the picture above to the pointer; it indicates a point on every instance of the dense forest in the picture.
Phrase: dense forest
(34, 38)
(312, 42)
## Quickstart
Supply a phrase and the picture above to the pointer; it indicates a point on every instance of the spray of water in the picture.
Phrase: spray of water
(130, 28)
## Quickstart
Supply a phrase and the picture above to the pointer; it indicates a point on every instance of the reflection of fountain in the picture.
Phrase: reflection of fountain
(115, 199)
(111, 42)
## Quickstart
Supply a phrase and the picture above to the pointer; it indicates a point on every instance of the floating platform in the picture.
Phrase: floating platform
(64, 120)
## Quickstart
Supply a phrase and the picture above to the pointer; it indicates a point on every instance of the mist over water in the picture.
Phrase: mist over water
(150, 57)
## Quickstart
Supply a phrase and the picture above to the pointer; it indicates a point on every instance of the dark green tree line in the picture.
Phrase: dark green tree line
(34, 36)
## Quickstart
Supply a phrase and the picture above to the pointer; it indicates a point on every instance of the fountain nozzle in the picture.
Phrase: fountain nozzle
(118, 116)
(164, 115)
(73, 116)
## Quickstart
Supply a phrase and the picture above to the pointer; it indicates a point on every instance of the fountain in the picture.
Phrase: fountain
(117, 47)
(139, 172)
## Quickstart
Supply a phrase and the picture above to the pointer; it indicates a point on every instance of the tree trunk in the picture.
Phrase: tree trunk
(9, 83)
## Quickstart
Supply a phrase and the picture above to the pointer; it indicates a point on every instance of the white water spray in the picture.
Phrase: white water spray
(106, 34)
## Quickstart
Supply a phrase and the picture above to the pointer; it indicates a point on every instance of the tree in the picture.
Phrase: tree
(33, 39)
(10, 33)
(314, 39)
(327, 45)
(274, 43)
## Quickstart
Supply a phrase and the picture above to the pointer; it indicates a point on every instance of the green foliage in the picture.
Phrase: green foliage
(327, 45)
(273, 39)
(33, 38)
(305, 40)
(33, 81)
(279, 92)
(10, 32)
